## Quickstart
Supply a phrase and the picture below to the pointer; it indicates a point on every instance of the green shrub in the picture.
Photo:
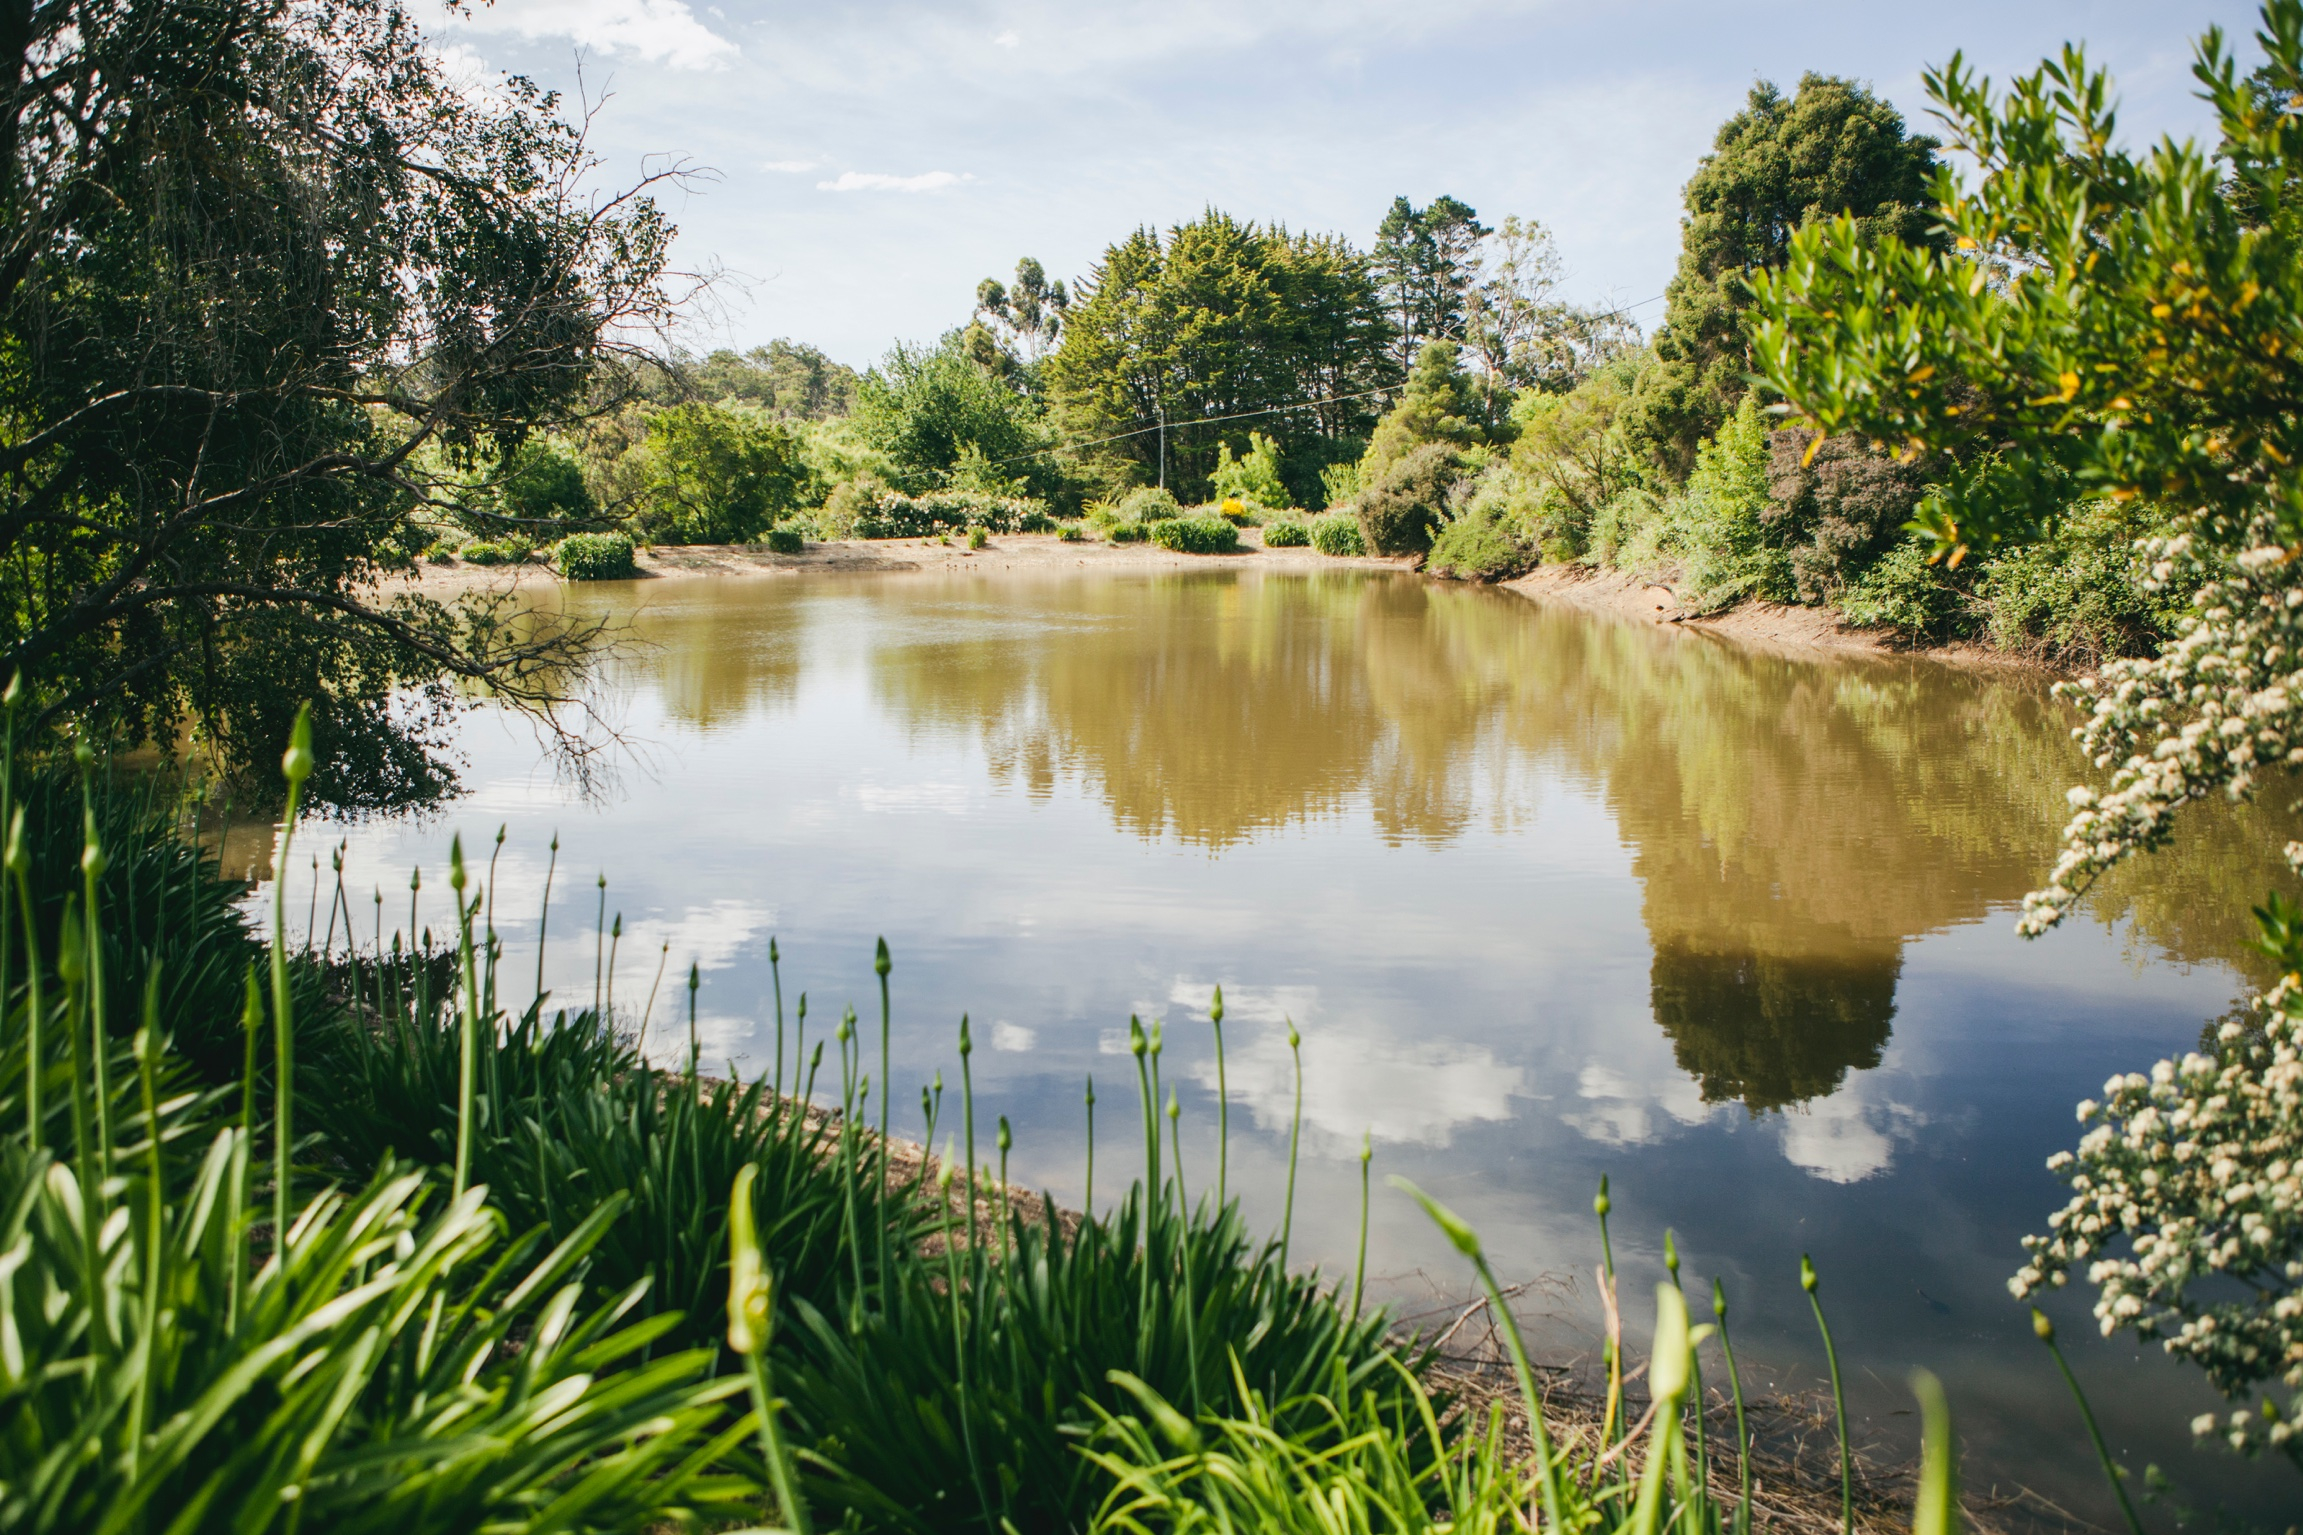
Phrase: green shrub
(2078, 594)
(1342, 482)
(1902, 591)
(596, 557)
(1196, 535)
(1337, 534)
(1400, 512)
(1146, 503)
(1286, 533)
(1252, 478)
(1070, 533)
(1240, 514)
(1718, 522)
(784, 538)
(502, 551)
(1484, 544)
(718, 475)
(977, 538)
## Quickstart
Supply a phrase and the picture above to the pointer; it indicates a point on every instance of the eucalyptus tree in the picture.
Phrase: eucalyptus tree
(272, 284)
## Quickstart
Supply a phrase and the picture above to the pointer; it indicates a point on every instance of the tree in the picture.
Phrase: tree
(1520, 333)
(270, 285)
(1426, 264)
(785, 377)
(1437, 406)
(2130, 325)
(713, 475)
(1833, 150)
(1029, 315)
(936, 410)
(1216, 326)
(1254, 476)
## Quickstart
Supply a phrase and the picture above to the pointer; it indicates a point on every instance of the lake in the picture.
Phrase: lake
(1549, 896)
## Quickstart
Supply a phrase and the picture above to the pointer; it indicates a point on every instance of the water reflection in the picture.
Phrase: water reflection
(1792, 823)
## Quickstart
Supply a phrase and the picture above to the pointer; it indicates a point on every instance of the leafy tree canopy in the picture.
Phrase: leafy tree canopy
(1027, 315)
(269, 284)
(943, 418)
(1427, 262)
(713, 475)
(1833, 150)
(1437, 406)
(785, 377)
(1223, 319)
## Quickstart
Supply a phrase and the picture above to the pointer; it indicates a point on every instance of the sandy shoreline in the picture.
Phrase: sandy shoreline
(1767, 626)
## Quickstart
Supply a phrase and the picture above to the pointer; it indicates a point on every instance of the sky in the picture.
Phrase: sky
(859, 166)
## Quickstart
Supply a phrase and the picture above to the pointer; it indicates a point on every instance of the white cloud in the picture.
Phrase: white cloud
(654, 31)
(878, 181)
(788, 167)
(1013, 1037)
(896, 799)
(1007, 39)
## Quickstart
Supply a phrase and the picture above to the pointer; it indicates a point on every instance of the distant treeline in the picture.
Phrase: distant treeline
(1437, 386)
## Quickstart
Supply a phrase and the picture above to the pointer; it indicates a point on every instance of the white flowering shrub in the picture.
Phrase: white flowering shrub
(2186, 1210)
(2221, 701)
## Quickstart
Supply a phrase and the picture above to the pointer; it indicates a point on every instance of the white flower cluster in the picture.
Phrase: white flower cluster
(2197, 1172)
(2220, 702)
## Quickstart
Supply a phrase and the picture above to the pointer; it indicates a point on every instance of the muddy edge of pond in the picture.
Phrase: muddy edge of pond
(1795, 1460)
(1768, 626)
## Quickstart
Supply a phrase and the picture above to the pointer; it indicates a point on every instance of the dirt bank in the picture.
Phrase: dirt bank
(1771, 626)
(1766, 626)
(1010, 552)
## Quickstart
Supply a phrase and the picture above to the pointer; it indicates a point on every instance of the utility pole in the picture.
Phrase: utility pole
(1163, 446)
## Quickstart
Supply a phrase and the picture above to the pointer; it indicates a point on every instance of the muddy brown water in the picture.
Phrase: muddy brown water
(1549, 896)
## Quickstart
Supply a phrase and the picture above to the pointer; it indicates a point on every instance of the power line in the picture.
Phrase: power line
(1164, 426)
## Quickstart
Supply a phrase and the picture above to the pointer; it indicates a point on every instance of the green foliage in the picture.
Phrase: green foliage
(977, 538)
(714, 475)
(1832, 151)
(1337, 534)
(1070, 533)
(1718, 522)
(512, 550)
(1836, 504)
(219, 367)
(544, 483)
(1427, 263)
(2163, 372)
(1196, 535)
(784, 538)
(1435, 407)
(1572, 451)
(1339, 482)
(942, 420)
(1148, 503)
(1252, 478)
(1213, 319)
(1028, 315)
(596, 557)
(1401, 511)
(1287, 533)
(2081, 595)
(962, 1405)
(1904, 590)
(1484, 544)
(785, 378)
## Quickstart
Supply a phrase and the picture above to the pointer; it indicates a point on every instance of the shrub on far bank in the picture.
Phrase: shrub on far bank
(1399, 514)
(1286, 533)
(1196, 535)
(1484, 544)
(892, 515)
(1337, 534)
(502, 551)
(784, 538)
(595, 557)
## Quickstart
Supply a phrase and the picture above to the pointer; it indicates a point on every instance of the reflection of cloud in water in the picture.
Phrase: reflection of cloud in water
(1846, 1138)
(711, 936)
(1357, 1077)
(1623, 1112)
(896, 799)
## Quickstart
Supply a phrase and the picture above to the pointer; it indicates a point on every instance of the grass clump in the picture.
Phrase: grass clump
(596, 557)
(1196, 535)
(1337, 534)
(1286, 533)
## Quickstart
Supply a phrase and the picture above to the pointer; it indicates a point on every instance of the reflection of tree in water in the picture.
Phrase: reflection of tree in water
(1773, 1029)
